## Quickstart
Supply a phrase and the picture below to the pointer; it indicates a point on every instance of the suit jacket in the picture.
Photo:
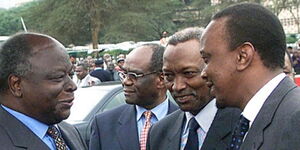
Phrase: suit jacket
(117, 129)
(14, 135)
(277, 125)
(166, 134)
(102, 75)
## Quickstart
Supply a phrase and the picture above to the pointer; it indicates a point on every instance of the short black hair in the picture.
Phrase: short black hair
(84, 66)
(156, 61)
(14, 55)
(250, 22)
(186, 35)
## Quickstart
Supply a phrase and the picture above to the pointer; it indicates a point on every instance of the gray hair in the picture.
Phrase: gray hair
(186, 35)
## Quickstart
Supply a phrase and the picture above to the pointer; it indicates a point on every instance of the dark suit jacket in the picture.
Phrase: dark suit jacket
(102, 75)
(166, 134)
(117, 129)
(14, 135)
(277, 125)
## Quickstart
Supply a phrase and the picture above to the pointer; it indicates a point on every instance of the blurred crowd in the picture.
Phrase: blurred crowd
(295, 58)
(92, 71)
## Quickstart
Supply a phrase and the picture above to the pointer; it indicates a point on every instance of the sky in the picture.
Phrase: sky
(11, 3)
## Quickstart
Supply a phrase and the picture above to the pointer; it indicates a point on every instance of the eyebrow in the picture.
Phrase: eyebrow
(134, 71)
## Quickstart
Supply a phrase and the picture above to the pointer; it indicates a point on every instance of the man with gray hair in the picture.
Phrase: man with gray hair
(36, 94)
(199, 124)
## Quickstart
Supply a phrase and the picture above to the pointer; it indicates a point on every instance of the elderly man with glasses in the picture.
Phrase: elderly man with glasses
(126, 127)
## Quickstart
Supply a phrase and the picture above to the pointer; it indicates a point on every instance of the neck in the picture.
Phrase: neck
(254, 84)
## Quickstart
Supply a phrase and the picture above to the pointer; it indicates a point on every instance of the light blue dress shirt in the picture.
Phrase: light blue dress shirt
(158, 112)
(37, 127)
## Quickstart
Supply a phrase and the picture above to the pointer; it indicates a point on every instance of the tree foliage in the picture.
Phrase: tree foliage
(82, 22)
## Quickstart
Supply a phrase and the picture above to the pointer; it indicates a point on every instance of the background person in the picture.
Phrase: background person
(83, 77)
(126, 127)
(36, 94)
(100, 73)
(288, 67)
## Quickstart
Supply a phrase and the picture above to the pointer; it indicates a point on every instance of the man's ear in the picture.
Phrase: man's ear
(245, 55)
(160, 80)
(14, 84)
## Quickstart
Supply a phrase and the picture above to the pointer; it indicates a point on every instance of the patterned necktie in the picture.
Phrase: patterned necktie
(192, 141)
(239, 133)
(59, 142)
(144, 134)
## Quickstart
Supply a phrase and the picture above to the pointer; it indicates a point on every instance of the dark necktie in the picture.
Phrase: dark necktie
(192, 141)
(59, 142)
(239, 133)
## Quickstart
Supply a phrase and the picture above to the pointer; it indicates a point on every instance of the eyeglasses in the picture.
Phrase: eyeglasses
(133, 76)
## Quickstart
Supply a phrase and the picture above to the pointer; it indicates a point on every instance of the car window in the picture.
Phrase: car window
(86, 99)
(117, 100)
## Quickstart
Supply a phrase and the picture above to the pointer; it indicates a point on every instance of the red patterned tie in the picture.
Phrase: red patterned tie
(59, 142)
(144, 134)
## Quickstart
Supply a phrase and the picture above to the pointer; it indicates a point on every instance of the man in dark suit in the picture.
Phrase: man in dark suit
(182, 66)
(244, 47)
(36, 94)
(126, 127)
(100, 73)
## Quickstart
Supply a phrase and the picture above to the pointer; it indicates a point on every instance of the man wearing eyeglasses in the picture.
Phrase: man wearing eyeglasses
(126, 127)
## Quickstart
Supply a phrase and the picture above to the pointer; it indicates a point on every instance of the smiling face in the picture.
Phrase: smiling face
(143, 91)
(47, 90)
(220, 71)
(182, 70)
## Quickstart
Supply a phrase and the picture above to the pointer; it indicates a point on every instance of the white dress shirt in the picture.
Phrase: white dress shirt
(204, 118)
(86, 81)
(256, 102)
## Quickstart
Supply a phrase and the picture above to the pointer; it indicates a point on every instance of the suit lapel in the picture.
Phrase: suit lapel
(127, 130)
(254, 139)
(69, 135)
(66, 136)
(174, 134)
(17, 132)
(172, 107)
(219, 133)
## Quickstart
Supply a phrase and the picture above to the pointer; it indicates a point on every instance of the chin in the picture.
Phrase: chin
(220, 103)
(129, 101)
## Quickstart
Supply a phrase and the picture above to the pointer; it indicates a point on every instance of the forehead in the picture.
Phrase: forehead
(49, 57)
(214, 32)
(214, 38)
(138, 59)
(79, 68)
(183, 55)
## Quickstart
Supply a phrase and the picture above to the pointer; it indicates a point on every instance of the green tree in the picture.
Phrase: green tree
(59, 19)
(10, 22)
(139, 20)
(79, 22)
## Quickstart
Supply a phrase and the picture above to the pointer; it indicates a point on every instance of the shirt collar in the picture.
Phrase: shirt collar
(160, 111)
(98, 68)
(256, 102)
(37, 127)
(205, 117)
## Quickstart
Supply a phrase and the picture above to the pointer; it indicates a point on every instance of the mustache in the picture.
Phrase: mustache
(183, 93)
